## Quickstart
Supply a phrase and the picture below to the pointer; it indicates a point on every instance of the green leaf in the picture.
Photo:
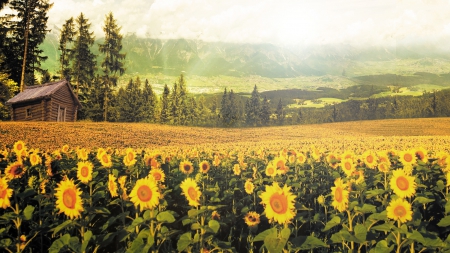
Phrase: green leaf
(307, 242)
(184, 241)
(440, 185)
(194, 212)
(27, 193)
(382, 247)
(262, 235)
(62, 226)
(165, 217)
(423, 200)
(416, 236)
(386, 227)
(367, 208)
(214, 225)
(5, 243)
(360, 233)
(149, 244)
(28, 212)
(136, 245)
(74, 244)
(276, 244)
(447, 207)
(59, 243)
(101, 210)
(374, 193)
(136, 222)
(86, 239)
(377, 216)
(444, 222)
(336, 220)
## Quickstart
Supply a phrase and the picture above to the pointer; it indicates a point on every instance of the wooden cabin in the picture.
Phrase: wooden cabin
(48, 102)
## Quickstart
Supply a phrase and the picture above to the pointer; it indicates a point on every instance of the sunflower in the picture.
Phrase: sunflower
(84, 172)
(82, 154)
(348, 166)
(249, 186)
(130, 157)
(279, 203)
(112, 185)
(252, 219)
(5, 193)
(384, 167)
(340, 195)
(122, 180)
(145, 194)
(280, 164)
(400, 210)
(332, 160)
(301, 158)
(216, 161)
(191, 191)
(237, 169)
(321, 200)
(271, 170)
(35, 159)
(19, 148)
(186, 167)
(68, 199)
(204, 167)
(402, 184)
(421, 154)
(105, 159)
(369, 159)
(316, 153)
(441, 158)
(65, 149)
(15, 170)
(407, 157)
(383, 157)
(348, 155)
(158, 174)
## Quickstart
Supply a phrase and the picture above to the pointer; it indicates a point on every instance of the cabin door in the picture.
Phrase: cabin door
(61, 114)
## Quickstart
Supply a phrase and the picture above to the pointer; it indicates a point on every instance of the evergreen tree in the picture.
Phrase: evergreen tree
(95, 100)
(175, 110)
(113, 60)
(165, 106)
(280, 113)
(265, 112)
(149, 102)
(253, 109)
(65, 42)
(84, 61)
(28, 31)
(130, 101)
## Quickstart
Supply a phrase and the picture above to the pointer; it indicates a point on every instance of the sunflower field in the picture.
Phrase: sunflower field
(236, 199)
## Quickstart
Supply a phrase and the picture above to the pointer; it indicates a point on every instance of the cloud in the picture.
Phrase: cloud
(282, 21)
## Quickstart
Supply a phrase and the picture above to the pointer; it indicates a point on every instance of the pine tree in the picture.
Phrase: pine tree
(28, 31)
(253, 109)
(130, 102)
(113, 60)
(175, 111)
(84, 61)
(66, 39)
(149, 102)
(165, 106)
(265, 112)
(280, 113)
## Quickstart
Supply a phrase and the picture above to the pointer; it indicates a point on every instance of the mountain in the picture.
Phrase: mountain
(170, 57)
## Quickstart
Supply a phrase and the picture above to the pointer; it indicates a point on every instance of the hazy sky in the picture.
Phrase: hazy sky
(275, 21)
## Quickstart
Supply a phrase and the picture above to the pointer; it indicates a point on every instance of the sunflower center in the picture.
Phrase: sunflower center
(251, 218)
(192, 193)
(105, 158)
(279, 204)
(144, 193)
(130, 156)
(420, 155)
(280, 164)
(338, 194)
(204, 167)
(408, 157)
(400, 211)
(370, 159)
(187, 167)
(157, 176)
(70, 198)
(19, 146)
(348, 166)
(84, 171)
(402, 183)
(16, 170)
(2, 193)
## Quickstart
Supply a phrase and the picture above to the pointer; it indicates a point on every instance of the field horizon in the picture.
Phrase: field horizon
(50, 136)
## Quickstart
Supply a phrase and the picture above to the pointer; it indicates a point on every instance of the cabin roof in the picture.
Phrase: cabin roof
(38, 92)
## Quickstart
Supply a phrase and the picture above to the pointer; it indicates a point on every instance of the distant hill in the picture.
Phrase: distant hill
(170, 57)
